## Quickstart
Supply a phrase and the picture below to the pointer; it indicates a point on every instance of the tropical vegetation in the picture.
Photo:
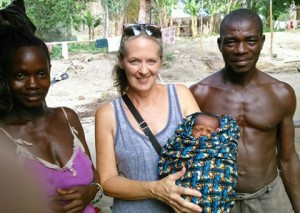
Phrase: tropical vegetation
(57, 20)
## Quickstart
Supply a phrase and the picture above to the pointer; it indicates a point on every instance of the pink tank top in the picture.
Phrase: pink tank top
(77, 171)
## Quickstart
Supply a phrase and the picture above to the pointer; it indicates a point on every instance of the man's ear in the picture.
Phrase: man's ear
(263, 38)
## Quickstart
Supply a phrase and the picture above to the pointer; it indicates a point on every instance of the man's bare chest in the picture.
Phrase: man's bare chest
(252, 110)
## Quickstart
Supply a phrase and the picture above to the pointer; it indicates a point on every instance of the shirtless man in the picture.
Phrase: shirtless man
(268, 165)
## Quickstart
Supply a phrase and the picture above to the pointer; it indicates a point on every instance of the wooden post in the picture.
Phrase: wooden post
(64, 50)
(271, 30)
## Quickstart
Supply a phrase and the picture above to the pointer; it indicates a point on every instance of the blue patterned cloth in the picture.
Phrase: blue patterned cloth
(211, 162)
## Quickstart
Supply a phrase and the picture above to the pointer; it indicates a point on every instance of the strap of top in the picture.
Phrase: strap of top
(15, 141)
(73, 130)
(64, 111)
(7, 134)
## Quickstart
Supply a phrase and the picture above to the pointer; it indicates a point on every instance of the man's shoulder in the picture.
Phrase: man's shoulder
(208, 83)
(266, 79)
(211, 80)
(208, 86)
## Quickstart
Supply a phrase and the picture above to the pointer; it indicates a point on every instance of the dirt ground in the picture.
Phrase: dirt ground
(187, 61)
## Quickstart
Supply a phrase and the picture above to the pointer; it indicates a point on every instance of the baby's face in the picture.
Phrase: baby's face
(204, 125)
(201, 130)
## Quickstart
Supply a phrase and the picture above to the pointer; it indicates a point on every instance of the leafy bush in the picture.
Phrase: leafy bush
(56, 52)
(168, 59)
(284, 16)
(83, 47)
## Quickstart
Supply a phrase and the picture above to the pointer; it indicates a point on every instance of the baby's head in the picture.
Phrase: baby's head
(205, 124)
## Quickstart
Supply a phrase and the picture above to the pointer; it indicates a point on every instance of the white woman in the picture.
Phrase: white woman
(126, 159)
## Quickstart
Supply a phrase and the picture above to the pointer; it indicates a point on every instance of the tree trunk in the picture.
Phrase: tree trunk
(117, 27)
(90, 33)
(229, 6)
(194, 26)
(106, 20)
(212, 23)
(159, 13)
(271, 30)
(142, 11)
(165, 19)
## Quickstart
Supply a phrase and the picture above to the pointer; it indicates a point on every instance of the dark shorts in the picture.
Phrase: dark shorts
(272, 198)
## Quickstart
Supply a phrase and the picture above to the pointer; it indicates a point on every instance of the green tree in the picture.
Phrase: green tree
(164, 9)
(132, 13)
(4, 3)
(193, 7)
(216, 9)
(55, 19)
(262, 7)
(116, 12)
(92, 22)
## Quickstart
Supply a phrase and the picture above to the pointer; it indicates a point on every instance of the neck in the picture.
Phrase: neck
(241, 79)
(27, 114)
(145, 97)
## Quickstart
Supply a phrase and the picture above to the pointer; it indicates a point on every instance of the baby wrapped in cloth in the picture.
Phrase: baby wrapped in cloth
(210, 162)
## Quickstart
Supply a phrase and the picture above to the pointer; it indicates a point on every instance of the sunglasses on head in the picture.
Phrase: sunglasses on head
(137, 29)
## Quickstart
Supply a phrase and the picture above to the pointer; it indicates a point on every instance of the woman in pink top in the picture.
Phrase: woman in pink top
(50, 141)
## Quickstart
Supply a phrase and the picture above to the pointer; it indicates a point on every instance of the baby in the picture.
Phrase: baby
(206, 145)
(205, 124)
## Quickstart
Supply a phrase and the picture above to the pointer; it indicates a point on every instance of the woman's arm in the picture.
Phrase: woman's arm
(123, 188)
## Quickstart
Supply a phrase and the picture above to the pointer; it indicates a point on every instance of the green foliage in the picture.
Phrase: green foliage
(97, 22)
(262, 7)
(116, 8)
(89, 19)
(132, 11)
(168, 59)
(167, 4)
(83, 47)
(4, 3)
(92, 21)
(279, 8)
(192, 7)
(55, 18)
(217, 7)
(283, 16)
(56, 52)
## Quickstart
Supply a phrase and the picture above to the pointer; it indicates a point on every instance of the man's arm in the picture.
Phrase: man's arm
(288, 159)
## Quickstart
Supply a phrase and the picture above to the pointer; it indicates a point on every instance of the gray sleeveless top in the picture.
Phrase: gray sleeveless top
(136, 157)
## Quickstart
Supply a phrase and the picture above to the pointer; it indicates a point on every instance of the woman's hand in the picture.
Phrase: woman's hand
(168, 192)
(74, 199)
